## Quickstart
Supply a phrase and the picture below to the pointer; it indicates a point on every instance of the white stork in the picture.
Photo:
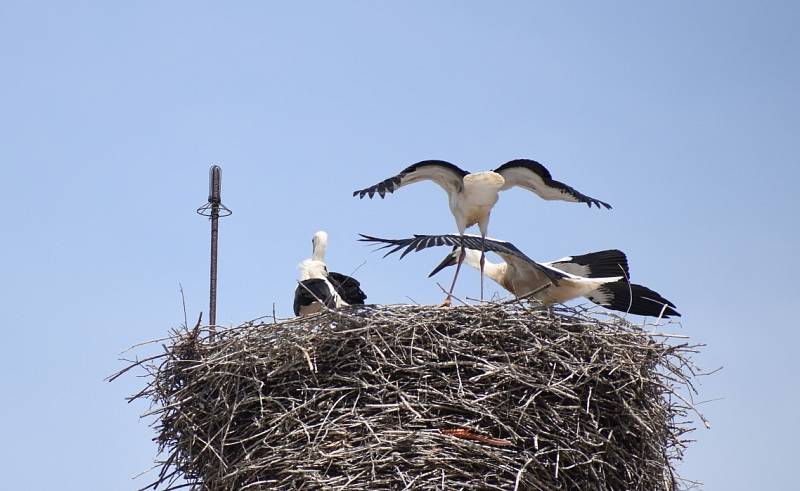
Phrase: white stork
(318, 287)
(602, 277)
(473, 195)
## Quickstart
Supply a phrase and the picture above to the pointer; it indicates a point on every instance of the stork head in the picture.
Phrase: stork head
(449, 260)
(318, 244)
(472, 257)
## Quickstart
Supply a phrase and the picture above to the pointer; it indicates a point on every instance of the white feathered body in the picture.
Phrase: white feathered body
(473, 204)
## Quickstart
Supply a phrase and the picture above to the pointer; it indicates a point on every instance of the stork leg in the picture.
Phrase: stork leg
(447, 301)
(483, 260)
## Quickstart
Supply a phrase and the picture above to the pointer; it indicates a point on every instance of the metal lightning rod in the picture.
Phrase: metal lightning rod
(214, 209)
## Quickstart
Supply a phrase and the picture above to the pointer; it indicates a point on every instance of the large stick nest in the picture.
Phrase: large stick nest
(501, 396)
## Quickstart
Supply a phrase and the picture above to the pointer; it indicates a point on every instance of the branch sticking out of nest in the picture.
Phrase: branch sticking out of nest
(504, 396)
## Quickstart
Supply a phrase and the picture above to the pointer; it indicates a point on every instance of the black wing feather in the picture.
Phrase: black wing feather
(348, 288)
(635, 299)
(601, 264)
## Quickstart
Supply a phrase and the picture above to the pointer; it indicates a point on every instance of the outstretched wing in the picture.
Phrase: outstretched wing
(445, 174)
(533, 176)
(419, 242)
(601, 264)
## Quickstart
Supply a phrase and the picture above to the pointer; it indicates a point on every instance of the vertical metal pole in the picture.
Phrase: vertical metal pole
(214, 209)
(214, 198)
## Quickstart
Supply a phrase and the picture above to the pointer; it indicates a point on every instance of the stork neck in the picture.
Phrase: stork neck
(319, 250)
(494, 271)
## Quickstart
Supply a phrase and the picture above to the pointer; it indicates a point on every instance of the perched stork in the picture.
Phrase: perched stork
(314, 290)
(602, 277)
(473, 195)
(318, 287)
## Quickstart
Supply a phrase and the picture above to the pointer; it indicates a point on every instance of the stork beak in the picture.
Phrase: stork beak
(450, 260)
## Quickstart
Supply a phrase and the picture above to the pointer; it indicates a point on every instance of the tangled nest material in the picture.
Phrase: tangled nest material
(501, 396)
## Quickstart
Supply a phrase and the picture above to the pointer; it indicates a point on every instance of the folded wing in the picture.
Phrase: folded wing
(311, 294)
(634, 299)
(348, 288)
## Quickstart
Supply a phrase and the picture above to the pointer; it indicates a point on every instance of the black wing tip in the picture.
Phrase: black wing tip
(381, 189)
(370, 191)
(664, 311)
(658, 305)
(358, 300)
(393, 245)
(645, 293)
(638, 300)
(596, 202)
(348, 288)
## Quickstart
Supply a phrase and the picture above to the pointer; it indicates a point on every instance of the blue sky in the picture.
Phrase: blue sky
(685, 116)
